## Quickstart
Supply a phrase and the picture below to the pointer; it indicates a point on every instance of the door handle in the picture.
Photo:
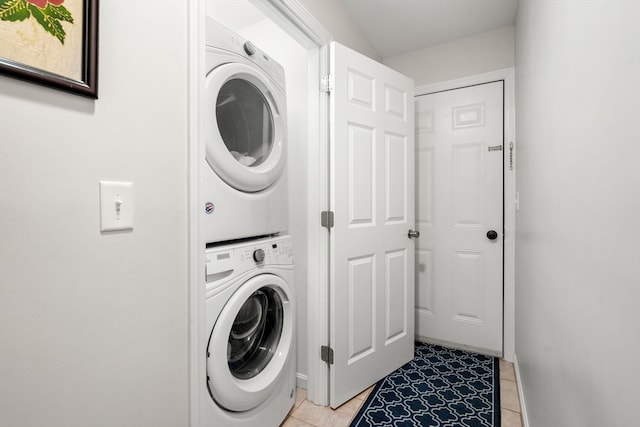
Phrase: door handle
(413, 234)
(492, 235)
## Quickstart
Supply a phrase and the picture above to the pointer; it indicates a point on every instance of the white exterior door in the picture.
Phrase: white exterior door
(459, 138)
(372, 194)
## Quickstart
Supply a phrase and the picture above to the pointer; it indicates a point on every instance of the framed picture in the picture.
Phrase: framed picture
(51, 42)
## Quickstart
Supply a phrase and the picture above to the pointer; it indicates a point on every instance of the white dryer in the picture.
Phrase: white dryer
(250, 319)
(245, 189)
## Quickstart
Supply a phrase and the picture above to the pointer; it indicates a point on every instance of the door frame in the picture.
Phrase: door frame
(510, 200)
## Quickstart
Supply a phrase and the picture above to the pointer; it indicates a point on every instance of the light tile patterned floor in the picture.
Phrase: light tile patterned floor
(306, 414)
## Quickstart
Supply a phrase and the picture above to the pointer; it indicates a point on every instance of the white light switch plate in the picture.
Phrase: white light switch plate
(116, 206)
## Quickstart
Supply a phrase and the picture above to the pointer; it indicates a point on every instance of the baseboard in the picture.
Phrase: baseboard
(523, 406)
(301, 380)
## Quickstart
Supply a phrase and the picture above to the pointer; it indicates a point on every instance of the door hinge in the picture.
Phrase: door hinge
(326, 84)
(326, 219)
(326, 354)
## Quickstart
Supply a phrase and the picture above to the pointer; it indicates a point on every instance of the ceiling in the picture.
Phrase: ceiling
(394, 27)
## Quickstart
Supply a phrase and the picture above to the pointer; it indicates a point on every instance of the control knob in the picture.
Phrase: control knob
(249, 48)
(258, 255)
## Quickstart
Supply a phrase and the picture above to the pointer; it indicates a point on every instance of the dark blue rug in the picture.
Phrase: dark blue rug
(439, 387)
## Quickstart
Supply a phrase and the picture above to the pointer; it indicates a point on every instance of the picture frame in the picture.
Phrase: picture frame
(52, 43)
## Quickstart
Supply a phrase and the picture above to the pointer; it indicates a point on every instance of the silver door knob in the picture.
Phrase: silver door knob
(414, 234)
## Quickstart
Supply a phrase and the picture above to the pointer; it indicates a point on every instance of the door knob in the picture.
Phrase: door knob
(492, 235)
(414, 234)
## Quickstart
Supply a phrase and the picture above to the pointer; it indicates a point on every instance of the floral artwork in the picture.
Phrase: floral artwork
(48, 13)
(51, 42)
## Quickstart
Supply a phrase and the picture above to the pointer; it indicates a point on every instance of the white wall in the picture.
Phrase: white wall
(477, 54)
(578, 239)
(94, 327)
(243, 18)
(335, 18)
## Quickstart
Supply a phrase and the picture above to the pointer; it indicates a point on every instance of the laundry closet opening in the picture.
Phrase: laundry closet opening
(254, 25)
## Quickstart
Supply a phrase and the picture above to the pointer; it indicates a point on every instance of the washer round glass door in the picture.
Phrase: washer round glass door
(250, 343)
(245, 129)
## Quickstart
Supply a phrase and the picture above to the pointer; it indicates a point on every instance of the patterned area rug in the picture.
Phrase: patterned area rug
(439, 387)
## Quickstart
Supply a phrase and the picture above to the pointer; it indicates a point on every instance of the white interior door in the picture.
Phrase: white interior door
(459, 138)
(372, 194)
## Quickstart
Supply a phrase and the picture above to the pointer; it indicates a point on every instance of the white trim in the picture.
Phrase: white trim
(196, 244)
(508, 75)
(491, 76)
(509, 216)
(318, 241)
(301, 380)
(292, 17)
(523, 406)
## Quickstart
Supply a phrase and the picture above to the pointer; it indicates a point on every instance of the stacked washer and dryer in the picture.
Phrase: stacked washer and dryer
(250, 304)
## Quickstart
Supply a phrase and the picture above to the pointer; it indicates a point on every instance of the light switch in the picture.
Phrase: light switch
(116, 206)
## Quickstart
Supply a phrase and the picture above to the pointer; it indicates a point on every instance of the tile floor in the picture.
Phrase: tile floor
(306, 414)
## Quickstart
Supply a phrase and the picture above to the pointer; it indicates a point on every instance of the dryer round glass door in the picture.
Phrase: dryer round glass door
(250, 343)
(245, 129)
(245, 122)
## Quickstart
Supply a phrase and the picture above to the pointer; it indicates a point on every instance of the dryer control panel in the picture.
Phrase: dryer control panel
(220, 37)
(237, 258)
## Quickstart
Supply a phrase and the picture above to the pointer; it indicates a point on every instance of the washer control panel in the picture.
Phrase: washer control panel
(238, 258)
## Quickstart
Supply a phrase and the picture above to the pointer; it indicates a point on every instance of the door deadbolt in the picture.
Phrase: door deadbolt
(414, 234)
(492, 235)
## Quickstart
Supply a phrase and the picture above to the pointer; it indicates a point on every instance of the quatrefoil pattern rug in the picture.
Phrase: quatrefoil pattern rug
(439, 387)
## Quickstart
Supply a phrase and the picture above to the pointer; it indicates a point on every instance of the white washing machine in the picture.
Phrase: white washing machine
(250, 316)
(245, 189)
